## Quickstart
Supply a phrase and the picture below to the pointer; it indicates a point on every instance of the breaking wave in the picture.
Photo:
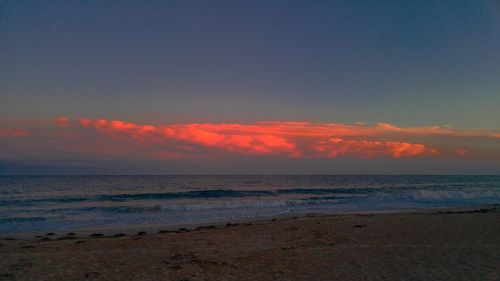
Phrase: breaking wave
(199, 194)
(71, 203)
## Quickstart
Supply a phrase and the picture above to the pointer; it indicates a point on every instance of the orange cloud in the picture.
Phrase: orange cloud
(461, 151)
(439, 131)
(62, 121)
(369, 149)
(294, 139)
(288, 139)
(235, 141)
(14, 133)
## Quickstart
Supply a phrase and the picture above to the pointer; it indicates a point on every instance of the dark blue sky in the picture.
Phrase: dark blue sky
(410, 63)
(405, 62)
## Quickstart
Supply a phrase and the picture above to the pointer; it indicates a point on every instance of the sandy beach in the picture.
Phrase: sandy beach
(452, 244)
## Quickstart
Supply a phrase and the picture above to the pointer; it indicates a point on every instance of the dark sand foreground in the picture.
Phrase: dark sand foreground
(445, 245)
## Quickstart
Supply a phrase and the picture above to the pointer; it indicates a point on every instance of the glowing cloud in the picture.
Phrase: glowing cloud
(369, 149)
(283, 139)
(13, 133)
(62, 121)
(294, 139)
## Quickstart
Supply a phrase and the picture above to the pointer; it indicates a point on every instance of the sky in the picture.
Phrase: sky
(249, 87)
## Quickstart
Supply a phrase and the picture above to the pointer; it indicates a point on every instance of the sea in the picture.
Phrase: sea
(32, 204)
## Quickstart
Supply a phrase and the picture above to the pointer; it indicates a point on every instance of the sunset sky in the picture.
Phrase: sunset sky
(249, 87)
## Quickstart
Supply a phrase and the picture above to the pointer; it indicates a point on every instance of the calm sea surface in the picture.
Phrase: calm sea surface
(60, 203)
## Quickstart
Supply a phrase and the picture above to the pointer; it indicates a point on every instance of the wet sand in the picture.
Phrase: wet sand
(458, 244)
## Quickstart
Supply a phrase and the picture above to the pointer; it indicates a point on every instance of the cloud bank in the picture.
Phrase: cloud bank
(292, 140)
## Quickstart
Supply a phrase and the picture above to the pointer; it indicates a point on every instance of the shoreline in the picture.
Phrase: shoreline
(151, 229)
(440, 244)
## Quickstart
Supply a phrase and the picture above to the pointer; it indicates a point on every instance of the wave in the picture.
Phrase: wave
(220, 205)
(116, 209)
(22, 219)
(326, 190)
(330, 194)
(198, 194)
(31, 202)
(216, 208)
(222, 193)
(452, 194)
(215, 193)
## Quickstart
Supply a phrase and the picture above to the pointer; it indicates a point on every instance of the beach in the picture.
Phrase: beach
(250, 140)
(445, 244)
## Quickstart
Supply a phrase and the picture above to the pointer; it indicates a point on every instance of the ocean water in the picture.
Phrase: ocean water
(70, 203)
